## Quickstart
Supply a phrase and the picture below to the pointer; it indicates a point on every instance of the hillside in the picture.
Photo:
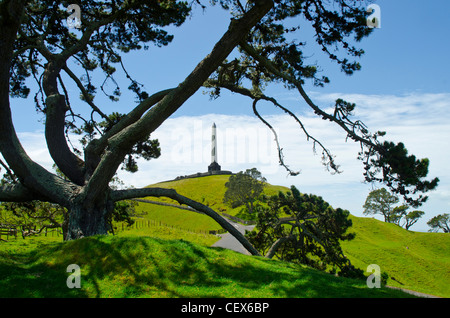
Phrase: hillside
(413, 260)
(163, 261)
(116, 266)
(207, 190)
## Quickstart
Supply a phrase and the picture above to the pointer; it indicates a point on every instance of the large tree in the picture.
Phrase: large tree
(35, 43)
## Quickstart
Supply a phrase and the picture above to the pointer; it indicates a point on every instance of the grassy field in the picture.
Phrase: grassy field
(208, 190)
(160, 261)
(142, 266)
(413, 260)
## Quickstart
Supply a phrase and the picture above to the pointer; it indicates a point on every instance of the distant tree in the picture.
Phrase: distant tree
(380, 201)
(244, 188)
(411, 218)
(440, 222)
(310, 233)
(398, 213)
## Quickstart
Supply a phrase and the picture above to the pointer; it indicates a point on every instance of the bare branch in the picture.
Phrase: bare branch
(329, 158)
(286, 77)
(280, 150)
(84, 92)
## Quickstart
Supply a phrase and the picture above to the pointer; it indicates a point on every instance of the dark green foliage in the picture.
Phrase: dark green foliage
(266, 40)
(244, 188)
(310, 234)
(401, 172)
(146, 149)
(128, 25)
(115, 28)
(271, 55)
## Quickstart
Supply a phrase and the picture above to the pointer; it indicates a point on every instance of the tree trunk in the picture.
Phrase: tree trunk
(87, 220)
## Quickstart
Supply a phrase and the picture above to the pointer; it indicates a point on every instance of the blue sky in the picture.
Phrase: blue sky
(403, 88)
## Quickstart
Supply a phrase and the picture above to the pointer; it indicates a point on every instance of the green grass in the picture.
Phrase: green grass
(413, 260)
(132, 266)
(208, 190)
(166, 232)
(160, 261)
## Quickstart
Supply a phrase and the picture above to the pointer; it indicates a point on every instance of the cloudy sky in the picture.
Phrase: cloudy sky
(403, 89)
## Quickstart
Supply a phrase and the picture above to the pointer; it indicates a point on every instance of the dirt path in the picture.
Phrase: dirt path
(412, 292)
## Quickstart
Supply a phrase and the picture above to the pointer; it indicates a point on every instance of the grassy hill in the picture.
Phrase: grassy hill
(160, 261)
(139, 266)
(413, 260)
(207, 190)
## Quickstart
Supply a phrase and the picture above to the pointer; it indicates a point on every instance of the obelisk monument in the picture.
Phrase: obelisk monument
(214, 166)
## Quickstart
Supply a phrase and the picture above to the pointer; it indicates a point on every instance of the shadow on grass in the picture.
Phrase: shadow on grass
(147, 267)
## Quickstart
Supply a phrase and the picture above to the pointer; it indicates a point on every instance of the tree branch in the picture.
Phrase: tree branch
(286, 77)
(120, 144)
(259, 96)
(84, 92)
(276, 245)
(96, 147)
(31, 175)
(18, 193)
(118, 195)
(65, 159)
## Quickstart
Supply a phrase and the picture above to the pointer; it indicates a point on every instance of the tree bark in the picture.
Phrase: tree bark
(276, 245)
(88, 220)
(59, 150)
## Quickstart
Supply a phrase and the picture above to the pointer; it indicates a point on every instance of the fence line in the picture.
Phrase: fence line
(145, 223)
(13, 230)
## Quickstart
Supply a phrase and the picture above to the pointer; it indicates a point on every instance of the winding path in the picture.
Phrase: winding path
(230, 242)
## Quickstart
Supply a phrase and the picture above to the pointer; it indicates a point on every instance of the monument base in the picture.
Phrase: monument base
(214, 166)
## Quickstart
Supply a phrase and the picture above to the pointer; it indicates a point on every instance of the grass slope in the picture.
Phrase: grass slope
(208, 190)
(413, 260)
(114, 266)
